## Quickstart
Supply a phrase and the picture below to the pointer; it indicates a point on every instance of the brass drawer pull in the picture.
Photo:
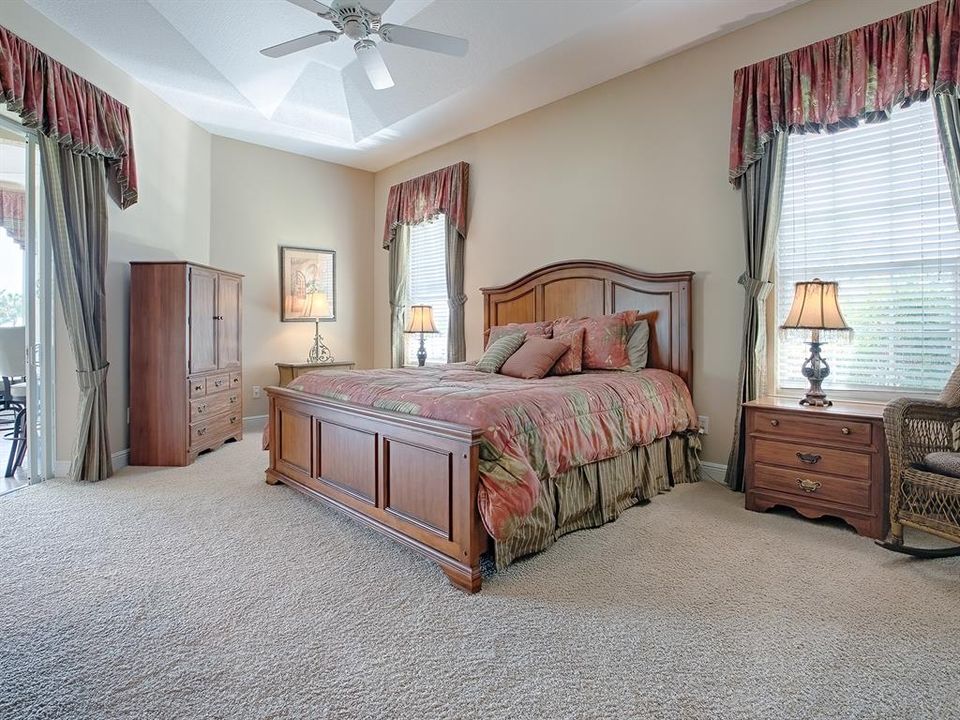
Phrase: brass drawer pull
(233, 399)
(808, 458)
(198, 388)
(201, 431)
(217, 383)
(808, 485)
(845, 430)
(201, 408)
(236, 380)
(233, 419)
(774, 423)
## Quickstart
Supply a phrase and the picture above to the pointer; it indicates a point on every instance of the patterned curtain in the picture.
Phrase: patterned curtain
(399, 280)
(76, 194)
(836, 83)
(69, 109)
(416, 201)
(423, 198)
(947, 111)
(12, 210)
(761, 193)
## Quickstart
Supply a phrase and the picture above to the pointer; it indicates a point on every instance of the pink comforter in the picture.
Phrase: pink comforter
(532, 429)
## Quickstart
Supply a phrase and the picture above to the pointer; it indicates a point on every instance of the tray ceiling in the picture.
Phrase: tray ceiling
(202, 58)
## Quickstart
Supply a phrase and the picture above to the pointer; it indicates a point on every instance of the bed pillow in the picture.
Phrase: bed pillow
(534, 358)
(638, 339)
(571, 362)
(604, 340)
(499, 350)
(537, 329)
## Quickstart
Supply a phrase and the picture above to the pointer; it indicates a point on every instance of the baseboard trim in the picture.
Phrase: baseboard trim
(716, 472)
(120, 459)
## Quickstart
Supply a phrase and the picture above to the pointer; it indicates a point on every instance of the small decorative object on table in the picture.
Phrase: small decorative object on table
(420, 320)
(815, 310)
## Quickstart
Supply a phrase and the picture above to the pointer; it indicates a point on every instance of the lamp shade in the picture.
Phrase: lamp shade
(420, 319)
(317, 305)
(816, 307)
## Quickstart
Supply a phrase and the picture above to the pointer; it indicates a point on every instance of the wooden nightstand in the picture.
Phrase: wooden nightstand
(291, 371)
(818, 461)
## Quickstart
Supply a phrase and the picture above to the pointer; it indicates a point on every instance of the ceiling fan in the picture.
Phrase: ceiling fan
(358, 22)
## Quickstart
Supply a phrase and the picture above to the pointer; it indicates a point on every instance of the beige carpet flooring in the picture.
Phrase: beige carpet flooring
(204, 593)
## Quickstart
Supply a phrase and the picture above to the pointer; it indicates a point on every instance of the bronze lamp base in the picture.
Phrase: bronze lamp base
(815, 369)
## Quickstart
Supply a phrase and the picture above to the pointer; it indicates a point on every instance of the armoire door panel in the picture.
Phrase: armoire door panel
(203, 311)
(228, 319)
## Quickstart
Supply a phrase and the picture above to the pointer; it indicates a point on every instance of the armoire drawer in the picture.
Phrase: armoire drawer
(198, 387)
(218, 383)
(214, 405)
(213, 430)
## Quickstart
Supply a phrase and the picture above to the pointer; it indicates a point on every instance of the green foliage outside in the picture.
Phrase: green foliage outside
(11, 308)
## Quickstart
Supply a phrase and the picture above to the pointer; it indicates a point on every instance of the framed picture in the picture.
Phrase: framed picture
(308, 284)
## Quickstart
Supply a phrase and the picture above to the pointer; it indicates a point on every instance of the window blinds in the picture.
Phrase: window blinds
(428, 286)
(870, 208)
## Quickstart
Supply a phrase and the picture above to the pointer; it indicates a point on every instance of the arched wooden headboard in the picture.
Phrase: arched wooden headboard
(579, 288)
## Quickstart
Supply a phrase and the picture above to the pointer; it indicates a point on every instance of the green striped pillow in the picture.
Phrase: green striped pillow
(499, 351)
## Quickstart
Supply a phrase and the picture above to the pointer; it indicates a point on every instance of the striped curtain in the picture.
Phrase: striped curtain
(76, 195)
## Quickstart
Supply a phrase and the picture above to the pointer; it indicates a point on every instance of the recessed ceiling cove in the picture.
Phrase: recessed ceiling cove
(203, 57)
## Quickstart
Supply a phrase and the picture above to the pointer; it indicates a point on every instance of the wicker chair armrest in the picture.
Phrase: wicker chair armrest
(917, 427)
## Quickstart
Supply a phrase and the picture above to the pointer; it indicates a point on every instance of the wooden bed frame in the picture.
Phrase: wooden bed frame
(415, 479)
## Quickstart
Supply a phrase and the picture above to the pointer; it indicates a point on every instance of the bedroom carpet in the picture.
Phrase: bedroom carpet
(204, 593)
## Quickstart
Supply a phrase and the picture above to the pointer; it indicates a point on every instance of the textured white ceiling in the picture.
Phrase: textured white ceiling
(202, 57)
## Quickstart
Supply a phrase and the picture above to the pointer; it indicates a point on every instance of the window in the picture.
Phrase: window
(870, 207)
(428, 286)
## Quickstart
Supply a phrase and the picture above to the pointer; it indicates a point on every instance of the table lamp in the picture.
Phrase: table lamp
(816, 311)
(420, 320)
(318, 306)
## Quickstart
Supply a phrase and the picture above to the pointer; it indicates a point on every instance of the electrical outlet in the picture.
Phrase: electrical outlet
(704, 423)
(256, 391)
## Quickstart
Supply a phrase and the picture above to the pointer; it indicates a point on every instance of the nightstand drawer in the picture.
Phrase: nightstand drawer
(796, 425)
(811, 458)
(815, 486)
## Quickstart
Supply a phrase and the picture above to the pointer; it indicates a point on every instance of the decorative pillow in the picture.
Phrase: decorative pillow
(638, 339)
(534, 358)
(537, 329)
(571, 362)
(604, 343)
(951, 391)
(942, 463)
(499, 350)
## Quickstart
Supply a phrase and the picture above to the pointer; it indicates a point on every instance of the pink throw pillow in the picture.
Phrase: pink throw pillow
(605, 341)
(534, 358)
(534, 329)
(571, 362)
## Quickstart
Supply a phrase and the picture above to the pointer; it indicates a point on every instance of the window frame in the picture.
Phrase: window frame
(411, 341)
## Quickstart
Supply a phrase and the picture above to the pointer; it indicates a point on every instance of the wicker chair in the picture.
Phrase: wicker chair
(919, 498)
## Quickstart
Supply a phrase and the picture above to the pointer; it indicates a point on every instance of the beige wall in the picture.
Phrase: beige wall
(632, 171)
(264, 198)
(172, 219)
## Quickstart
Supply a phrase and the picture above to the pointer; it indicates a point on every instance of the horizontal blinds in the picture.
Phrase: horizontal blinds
(428, 286)
(870, 208)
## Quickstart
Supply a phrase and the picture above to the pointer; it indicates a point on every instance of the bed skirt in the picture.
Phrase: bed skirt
(591, 495)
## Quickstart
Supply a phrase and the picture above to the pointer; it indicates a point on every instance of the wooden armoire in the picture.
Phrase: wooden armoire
(186, 383)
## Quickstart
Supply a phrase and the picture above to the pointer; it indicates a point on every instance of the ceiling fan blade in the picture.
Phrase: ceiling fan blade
(313, 6)
(372, 62)
(378, 7)
(423, 39)
(301, 43)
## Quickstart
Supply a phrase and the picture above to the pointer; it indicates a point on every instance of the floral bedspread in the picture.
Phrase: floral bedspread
(532, 429)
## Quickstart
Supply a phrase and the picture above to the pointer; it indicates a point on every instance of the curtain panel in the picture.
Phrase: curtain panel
(423, 198)
(75, 188)
(836, 83)
(72, 111)
(399, 283)
(13, 210)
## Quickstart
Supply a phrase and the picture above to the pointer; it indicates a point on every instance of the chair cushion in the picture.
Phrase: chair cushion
(499, 350)
(943, 463)
(534, 358)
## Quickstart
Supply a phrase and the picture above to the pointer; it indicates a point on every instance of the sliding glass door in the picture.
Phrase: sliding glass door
(26, 312)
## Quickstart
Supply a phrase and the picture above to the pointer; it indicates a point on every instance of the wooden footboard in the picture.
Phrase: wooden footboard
(413, 479)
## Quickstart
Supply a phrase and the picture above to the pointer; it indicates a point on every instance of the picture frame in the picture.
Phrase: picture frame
(308, 284)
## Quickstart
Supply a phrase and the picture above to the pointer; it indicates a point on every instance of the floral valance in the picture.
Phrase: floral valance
(12, 210)
(834, 83)
(423, 198)
(64, 106)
